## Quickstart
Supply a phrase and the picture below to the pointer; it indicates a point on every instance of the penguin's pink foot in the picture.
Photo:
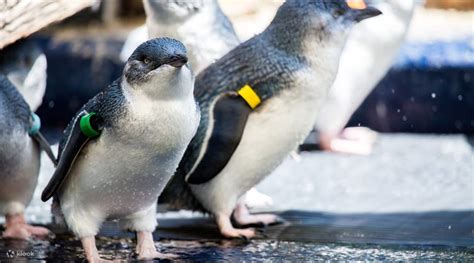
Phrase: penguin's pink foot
(243, 217)
(362, 134)
(90, 249)
(16, 227)
(146, 249)
(227, 230)
(355, 140)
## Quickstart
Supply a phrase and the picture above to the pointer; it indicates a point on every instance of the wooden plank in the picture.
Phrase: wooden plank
(451, 4)
(21, 18)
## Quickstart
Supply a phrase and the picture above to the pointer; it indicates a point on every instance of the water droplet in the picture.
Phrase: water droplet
(449, 227)
(404, 118)
(398, 110)
(433, 95)
(460, 97)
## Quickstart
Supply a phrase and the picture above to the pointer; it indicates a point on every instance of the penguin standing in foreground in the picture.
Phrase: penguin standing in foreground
(257, 105)
(25, 66)
(207, 33)
(20, 145)
(200, 24)
(123, 146)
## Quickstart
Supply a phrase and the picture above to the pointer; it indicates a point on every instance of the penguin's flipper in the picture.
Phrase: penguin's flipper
(230, 114)
(72, 148)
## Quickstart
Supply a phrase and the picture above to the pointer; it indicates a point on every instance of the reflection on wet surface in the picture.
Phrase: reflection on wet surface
(67, 248)
(389, 206)
(304, 236)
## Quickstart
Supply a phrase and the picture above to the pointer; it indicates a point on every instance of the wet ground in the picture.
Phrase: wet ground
(304, 236)
(412, 199)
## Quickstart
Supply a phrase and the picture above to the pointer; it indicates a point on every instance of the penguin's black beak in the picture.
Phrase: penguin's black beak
(361, 14)
(177, 61)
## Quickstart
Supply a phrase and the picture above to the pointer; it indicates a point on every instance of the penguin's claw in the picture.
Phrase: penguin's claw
(261, 220)
(245, 234)
(244, 238)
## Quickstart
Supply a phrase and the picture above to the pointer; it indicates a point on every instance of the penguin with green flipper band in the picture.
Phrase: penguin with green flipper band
(123, 146)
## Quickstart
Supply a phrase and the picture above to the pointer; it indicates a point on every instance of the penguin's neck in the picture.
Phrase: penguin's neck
(321, 47)
(306, 37)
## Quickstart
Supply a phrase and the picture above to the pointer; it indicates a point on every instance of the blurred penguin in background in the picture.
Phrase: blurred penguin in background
(22, 86)
(25, 66)
(200, 24)
(19, 161)
(368, 55)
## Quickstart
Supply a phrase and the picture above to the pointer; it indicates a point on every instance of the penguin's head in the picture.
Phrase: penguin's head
(25, 66)
(343, 12)
(324, 16)
(159, 67)
(172, 11)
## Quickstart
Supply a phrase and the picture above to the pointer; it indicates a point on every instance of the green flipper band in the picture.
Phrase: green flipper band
(86, 127)
(35, 124)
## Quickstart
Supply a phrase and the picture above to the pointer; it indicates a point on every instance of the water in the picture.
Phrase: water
(67, 248)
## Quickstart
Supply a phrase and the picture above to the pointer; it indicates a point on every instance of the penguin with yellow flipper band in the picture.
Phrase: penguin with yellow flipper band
(257, 105)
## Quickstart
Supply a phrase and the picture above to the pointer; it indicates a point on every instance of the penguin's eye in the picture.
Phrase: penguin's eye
(338, 13)
(146, 61)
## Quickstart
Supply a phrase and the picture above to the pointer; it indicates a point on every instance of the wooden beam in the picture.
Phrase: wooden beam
(21, 18)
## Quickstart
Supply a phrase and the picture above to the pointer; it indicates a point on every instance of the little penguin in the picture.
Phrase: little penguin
(257, 105)
(20, 145)
(370, 50)
(205, 30)
(122, 147)
(24, 63)
(200, 24)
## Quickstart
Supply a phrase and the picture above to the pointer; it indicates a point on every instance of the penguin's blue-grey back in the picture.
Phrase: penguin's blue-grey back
(14, 111)
(276, 66)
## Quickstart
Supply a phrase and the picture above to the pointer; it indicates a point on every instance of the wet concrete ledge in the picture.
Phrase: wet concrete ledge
(305, 236)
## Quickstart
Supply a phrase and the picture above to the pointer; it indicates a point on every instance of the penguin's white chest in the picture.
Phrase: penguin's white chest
(272, 131)
(126, 169)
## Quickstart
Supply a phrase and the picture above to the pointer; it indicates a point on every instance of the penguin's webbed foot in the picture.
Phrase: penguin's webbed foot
(16, 227)
(242, 217)
(146, 249)
(227, 230)
(260, 220)
(353, 140)
(245, 234)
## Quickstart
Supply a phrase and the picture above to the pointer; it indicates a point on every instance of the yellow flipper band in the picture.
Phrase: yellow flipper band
(249, 95)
